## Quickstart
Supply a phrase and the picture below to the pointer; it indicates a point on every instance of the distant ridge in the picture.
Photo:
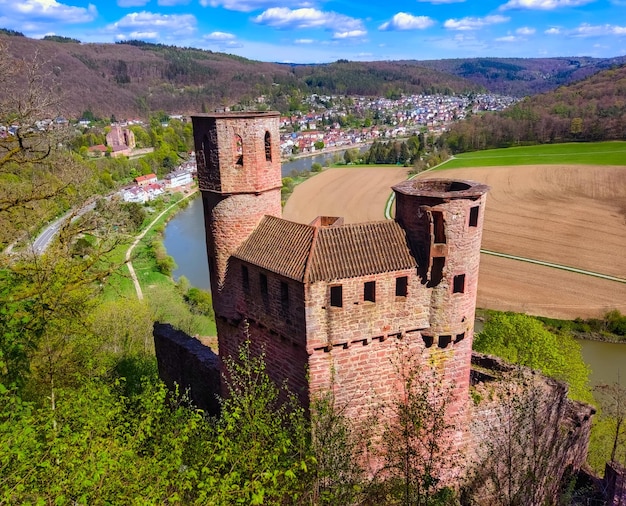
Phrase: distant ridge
(136, 78)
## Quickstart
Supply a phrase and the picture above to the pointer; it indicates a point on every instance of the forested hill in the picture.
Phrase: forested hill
(520, 77)
(136, 78)
(590, 110)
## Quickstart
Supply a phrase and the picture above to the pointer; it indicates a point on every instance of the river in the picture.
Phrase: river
(184, 241)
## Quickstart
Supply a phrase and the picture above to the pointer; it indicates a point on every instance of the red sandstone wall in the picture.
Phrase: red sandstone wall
(358, 319)
(229, 220)
(286, 358)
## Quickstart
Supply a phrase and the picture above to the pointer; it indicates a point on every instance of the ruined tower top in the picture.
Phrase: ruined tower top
(237, 152)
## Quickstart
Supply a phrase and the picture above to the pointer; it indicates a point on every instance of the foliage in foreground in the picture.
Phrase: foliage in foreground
(120, 438)
(524, 340)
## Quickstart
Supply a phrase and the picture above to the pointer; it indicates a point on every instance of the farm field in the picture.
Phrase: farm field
(566, 214)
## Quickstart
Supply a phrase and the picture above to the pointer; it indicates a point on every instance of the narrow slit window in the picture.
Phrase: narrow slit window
(402, 284)
(263, 281)
(238, 150)
(284, 293)
(459, 284)
(268, 147)
(369, 291)
(336, 296)
(473, 217)
(439, 231)
(245, 278)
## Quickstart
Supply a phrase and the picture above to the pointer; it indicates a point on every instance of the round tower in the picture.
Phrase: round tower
(444, 221)
(239, 175)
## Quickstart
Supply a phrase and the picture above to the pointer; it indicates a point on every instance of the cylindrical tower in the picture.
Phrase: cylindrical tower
(238, 158)
(444, 220)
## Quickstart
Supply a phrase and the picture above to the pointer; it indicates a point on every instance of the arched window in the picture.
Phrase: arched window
(238, 150)
(268, 147)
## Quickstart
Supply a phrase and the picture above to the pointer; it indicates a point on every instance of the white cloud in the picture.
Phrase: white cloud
(253, 5)
(144, 35)
(44, 11)
(471, 23)
(148, 22)
(553, 31)
(404, 21)
(219, 36)
(525, 30)
(545, 5)
(304, 41)
(351, 34)
(132, 3)
(507, 38)
(587, 30)
(284, 18)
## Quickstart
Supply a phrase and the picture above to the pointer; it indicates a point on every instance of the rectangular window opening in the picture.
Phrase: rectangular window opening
(402, 284)
(336, 296)
(263, 281)
(473, 217)
(284, 293)
(439, 231)
(459, 284)
(369, 291)
(436, 271)
(245, 279)
(444, 341)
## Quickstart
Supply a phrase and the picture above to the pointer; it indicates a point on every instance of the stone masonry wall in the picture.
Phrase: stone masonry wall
(186, 362)
(525, 434)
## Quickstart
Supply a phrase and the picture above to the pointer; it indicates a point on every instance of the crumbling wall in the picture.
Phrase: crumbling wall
(186, 362)
(525, 435)
(615, 484)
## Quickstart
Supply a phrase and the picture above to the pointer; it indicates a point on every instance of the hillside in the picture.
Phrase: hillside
(136, 78)
(520, 77)
(590, 110)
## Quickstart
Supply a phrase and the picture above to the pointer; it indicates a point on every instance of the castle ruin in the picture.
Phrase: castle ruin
(329, 302)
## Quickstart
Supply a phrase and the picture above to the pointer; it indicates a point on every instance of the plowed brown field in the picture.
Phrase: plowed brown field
(567, 215)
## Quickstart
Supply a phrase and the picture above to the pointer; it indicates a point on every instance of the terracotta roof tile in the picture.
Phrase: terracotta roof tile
(279, 246)
(358, 250)
(310, 254)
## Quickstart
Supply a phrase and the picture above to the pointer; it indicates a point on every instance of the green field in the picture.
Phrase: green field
(597, 153)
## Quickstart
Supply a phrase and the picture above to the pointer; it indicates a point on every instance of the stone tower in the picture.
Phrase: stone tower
(444, 222)
(239, 176)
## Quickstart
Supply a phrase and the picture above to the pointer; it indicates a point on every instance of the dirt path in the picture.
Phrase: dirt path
(568, 215)
(129, 251)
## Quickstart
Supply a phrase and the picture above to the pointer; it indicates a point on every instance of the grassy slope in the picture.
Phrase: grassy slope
(159, 290)
(600, 153)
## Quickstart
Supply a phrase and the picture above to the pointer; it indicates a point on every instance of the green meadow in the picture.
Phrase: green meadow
(593, 153)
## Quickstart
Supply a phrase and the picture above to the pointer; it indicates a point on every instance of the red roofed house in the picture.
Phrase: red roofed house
(146, 180)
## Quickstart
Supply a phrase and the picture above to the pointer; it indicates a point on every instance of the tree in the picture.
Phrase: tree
(522, 339)
(37, 180)
(416, 445)
(609, 436)
(525, 451)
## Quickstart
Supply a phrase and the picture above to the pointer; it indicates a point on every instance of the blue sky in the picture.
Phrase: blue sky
(320, 31)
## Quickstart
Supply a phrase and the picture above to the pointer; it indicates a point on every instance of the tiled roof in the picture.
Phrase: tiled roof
(310, 254)
(279, 246)
(359, 249)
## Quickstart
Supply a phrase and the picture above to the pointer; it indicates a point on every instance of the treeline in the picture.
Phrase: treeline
(591, 110)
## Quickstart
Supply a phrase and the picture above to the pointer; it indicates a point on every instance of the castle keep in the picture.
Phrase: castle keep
(329, 301)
